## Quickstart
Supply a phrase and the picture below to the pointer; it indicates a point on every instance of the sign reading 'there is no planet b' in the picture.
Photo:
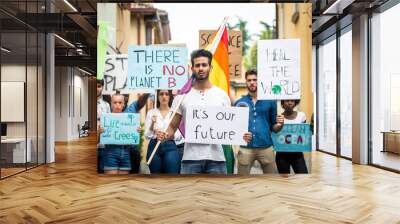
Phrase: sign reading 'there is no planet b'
(120, 128)
(155, 67)
(278, 69)
(216, 125)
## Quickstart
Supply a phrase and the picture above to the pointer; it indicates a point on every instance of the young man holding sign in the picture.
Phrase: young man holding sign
(263, 119)
(199, 158)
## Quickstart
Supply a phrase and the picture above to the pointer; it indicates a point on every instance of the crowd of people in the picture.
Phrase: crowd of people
(174, 155)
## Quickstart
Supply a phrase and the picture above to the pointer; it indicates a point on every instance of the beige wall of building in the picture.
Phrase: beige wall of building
(301, 29)
(131, 29)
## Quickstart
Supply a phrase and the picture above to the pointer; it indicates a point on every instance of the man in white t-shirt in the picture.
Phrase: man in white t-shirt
(199, 158)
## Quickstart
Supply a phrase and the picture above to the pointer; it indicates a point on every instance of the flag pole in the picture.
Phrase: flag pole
(181, 100)
(155, 100)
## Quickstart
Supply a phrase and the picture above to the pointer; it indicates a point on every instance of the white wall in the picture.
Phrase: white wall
(61, 103)
(17, 73)
(71, 102)
(34, 124)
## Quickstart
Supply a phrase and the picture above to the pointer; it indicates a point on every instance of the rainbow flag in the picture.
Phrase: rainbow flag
(219, 48)
(220, 77)
(220, 73)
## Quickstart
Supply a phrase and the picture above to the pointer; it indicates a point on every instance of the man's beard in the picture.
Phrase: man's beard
(200, 77)
(255, 90)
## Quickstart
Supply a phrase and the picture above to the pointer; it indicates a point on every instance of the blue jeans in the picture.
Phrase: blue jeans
(203, 166)
(180, 152)
(117, 157)
(100, 159)
(166, 159)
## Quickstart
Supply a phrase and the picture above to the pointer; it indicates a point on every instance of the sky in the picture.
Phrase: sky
(186, 19)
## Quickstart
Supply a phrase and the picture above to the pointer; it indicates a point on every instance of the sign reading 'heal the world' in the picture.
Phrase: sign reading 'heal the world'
(278, 69)
(216, 125)
(120, 128)
(293, 138)
(155, 67)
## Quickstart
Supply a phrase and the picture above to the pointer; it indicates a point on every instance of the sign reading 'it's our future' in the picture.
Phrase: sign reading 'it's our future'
(216, 125)
(154, 67)
(278, 69)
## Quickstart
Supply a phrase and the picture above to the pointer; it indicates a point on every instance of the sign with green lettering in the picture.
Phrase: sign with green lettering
(120, 128)
(278, 69)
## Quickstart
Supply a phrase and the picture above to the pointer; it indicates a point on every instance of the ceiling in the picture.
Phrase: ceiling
(74, 21)
(331, 15)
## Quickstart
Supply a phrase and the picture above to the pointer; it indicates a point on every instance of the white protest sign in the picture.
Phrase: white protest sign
(116, 75)
(278, 69)
(216, 125)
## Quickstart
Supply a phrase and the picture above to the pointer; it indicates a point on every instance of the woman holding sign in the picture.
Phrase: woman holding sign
(295, 159)
(167, 158)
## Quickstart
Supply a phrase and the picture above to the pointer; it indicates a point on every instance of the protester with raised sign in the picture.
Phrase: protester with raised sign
(263, 119)
(117, 159)
(199, 158)
(166, 159)
(102, 107)
(285, 160)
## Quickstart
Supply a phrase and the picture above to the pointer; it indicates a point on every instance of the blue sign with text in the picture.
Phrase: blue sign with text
(293, 138)
(120, 128)
(157, 67)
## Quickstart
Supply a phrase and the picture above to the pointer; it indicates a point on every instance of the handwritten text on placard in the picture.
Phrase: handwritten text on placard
(278, 69)
(293, 138)
(120, 128)
(152, 67)
(216, 125)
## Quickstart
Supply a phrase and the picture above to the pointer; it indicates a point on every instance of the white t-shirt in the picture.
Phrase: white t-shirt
(210, 97)
(300, 118)
(102, 107)
(160, 124)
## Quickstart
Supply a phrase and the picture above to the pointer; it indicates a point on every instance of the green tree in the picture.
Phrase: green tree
(269, 32)
(241, 25)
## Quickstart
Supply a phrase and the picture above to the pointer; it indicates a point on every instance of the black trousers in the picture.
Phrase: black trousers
(135, 160)
(286, 159)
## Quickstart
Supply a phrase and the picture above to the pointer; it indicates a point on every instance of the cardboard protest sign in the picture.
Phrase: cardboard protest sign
(115, 73)
(120, 128)
(216, 125)
(278, 69)
(293, 138)
(157, 67)
(235, 49)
